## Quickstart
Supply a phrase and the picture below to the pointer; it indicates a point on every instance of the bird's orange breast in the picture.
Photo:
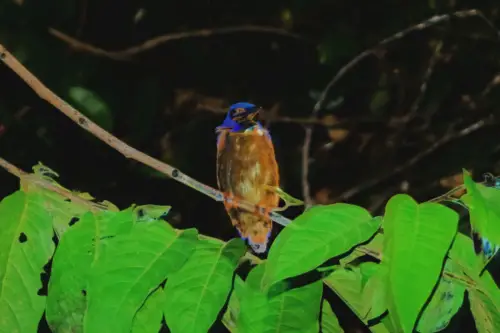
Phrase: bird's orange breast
(247, 167)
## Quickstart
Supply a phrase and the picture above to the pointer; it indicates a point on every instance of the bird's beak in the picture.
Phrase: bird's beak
(254, 114)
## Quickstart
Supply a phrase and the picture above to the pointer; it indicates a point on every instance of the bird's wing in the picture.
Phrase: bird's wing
(223, 162)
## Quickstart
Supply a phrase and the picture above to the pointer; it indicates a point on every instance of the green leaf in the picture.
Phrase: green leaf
(374, 294)
(374, 246)
(484, 209)
(417, 240)
(198, 291)
(445, 303)
(130, 267)
(233, 308)
(346, 283)
(462, 253)
(379, 99)
(91, 105)
(485, 305)
(149, 213)
(78, 250)
(25, 247)
(317, 235)
(484, 294)
(329, 321)
(148, 318)
(295, 310)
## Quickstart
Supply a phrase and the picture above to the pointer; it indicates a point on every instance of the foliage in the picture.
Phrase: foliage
(109, 269)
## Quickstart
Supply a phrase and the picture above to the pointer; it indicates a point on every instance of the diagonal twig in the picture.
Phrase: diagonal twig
(120, 146)
(128, 53)
(487, 121)
(353, 62)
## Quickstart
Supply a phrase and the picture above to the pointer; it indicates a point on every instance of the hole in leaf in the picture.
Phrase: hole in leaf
(73, 221)
(84, 292)
(23, 238)
(44, 277)
(55, 239)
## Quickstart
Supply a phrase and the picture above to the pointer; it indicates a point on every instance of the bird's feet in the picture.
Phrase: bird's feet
(262, 209)
(230, 201)
(287, 198)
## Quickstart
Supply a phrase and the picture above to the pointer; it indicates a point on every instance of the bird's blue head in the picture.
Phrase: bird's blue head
(240, 117)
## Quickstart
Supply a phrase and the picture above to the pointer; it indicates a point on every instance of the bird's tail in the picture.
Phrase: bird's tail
(256, 229)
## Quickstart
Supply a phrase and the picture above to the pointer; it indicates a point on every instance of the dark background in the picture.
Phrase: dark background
(167, 100)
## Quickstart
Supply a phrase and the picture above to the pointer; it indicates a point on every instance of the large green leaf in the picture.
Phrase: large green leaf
(78, 250)
(129, 268)
(148, 318)
(293, 311)
(484, 209)
(417, 240)
(445, 303)
(197, 292)
(25, 247)
(317, 235)
(329, 321)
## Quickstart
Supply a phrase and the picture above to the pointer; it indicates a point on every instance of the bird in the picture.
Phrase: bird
(247, 170)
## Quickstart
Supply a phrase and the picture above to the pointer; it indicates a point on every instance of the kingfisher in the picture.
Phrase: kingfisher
(247, 170)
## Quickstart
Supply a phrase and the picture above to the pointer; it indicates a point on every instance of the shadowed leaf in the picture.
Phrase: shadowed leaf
(197, 292)
(295, 310)
(130, 267)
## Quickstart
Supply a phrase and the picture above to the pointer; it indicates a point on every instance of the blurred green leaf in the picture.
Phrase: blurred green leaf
(91, 105)
(379, 99)
(337, 45)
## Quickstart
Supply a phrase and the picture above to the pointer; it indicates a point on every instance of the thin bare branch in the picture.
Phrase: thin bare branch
(11, 168)
(120, 146)
(437, 19)
(425, 82)
(128, 53)
(487, 121)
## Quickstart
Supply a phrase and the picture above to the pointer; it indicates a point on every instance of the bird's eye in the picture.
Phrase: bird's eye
(238, 111)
